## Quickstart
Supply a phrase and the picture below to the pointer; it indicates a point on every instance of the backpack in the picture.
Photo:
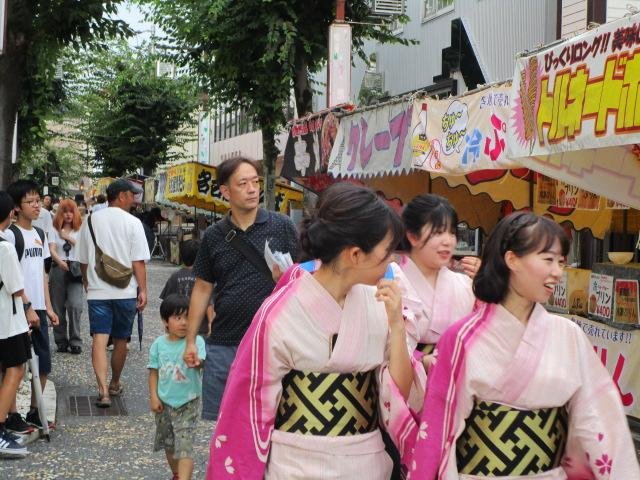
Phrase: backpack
(2, 239)
(19, 239)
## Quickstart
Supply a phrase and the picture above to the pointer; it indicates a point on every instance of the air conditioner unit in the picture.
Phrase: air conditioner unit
(373, 81)
(386, 8)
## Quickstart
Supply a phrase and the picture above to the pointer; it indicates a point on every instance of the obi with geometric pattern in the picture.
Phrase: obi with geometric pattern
(328, 404)
(499, 440)
(426, 348)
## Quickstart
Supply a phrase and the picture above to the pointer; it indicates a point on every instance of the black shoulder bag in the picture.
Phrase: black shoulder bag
(247, 250)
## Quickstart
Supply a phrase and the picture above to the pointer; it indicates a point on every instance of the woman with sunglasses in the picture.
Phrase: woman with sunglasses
(65, 279)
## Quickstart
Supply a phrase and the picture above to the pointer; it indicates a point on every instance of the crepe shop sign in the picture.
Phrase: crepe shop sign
(373, 142)
(601, 295)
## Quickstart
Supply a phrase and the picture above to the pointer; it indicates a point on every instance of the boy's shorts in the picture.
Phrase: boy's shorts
(112, 317)
(15, 351)
(175, 429)
(40, 342)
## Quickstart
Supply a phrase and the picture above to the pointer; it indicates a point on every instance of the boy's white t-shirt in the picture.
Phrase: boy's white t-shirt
(55, 237)
(121, 236)
(32, 263)
(11, 276)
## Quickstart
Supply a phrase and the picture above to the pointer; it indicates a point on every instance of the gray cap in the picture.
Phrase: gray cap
(122, 185)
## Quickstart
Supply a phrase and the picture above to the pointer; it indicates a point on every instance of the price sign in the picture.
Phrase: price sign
(601, 295)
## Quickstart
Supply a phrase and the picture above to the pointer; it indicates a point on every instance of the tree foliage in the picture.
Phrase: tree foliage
(130, 117)
(36, 34)
(249, 54)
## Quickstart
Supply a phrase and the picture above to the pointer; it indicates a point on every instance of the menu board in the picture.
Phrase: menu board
(626, 301)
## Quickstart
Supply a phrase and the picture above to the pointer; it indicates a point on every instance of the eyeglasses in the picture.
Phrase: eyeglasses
(34, 202)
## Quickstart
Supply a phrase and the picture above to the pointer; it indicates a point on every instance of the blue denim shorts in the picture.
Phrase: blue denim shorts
(214, 378)
(112, 317)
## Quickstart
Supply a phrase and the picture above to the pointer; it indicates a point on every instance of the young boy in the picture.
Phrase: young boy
(174, 388)
(183, 280)
(33, 252)
(15, 348)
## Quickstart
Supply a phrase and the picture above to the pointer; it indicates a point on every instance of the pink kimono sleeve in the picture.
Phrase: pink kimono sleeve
(599, 444)
(242, 438)
(399, 416)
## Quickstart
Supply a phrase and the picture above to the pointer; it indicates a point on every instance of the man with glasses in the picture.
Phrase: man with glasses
(33, 251)
(235, 268)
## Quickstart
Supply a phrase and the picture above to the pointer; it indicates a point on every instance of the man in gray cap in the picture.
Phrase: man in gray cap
(112, 308)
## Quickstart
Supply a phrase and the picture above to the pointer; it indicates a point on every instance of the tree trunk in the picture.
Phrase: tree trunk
(12, 71)
(269, 154)
(302, 86)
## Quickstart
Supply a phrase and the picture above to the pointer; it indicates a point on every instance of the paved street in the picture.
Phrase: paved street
(116, 447)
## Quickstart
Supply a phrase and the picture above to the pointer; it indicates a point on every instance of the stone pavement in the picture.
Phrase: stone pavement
(114, 447)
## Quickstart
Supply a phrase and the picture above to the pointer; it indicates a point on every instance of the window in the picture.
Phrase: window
(435, 7)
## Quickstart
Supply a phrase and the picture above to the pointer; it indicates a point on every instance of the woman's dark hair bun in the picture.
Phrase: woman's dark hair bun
(348, 215)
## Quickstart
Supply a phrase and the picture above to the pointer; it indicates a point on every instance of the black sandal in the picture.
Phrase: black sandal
(103, 402)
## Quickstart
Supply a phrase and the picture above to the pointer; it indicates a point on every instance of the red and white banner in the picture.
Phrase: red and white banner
(619, 351)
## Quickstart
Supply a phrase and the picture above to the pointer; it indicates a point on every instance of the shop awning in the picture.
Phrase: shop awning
(195, 184)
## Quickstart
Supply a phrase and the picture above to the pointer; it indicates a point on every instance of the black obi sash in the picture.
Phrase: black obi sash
(499, 440)
(328, 404)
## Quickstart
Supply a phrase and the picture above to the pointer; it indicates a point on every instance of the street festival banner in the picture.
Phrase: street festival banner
(619, 351)
(195, 184)
(306, 155)
(574, 115)
(373, 142)
(458, 135)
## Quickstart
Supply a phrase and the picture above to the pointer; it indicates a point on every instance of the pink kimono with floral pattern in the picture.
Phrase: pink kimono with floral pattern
(549, 362)
(450, 300)
(293, 330)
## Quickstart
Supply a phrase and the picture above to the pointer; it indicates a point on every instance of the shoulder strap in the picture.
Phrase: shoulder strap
(93, 237)
(247, 250)
(19, 240)
(43, 239)
(40, 233)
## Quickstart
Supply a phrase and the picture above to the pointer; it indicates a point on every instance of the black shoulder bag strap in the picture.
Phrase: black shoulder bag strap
(248, 251)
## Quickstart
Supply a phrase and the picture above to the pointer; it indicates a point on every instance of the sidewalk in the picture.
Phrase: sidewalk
(107, 445)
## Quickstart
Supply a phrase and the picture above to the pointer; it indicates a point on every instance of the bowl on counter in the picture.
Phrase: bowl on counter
(620, 258)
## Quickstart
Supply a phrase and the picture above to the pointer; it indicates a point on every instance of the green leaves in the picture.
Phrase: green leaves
(132, 118)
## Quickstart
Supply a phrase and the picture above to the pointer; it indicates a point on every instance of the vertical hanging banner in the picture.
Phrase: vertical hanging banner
(339, 64)
(204, 137)
(459, 135)
(574, 113)
(373, 142)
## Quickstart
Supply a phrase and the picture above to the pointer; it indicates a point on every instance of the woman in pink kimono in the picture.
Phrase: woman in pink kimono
(325, 360)
(446, 296)
(516, 392)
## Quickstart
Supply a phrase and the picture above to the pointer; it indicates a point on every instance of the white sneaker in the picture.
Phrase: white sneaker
(9, 447)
